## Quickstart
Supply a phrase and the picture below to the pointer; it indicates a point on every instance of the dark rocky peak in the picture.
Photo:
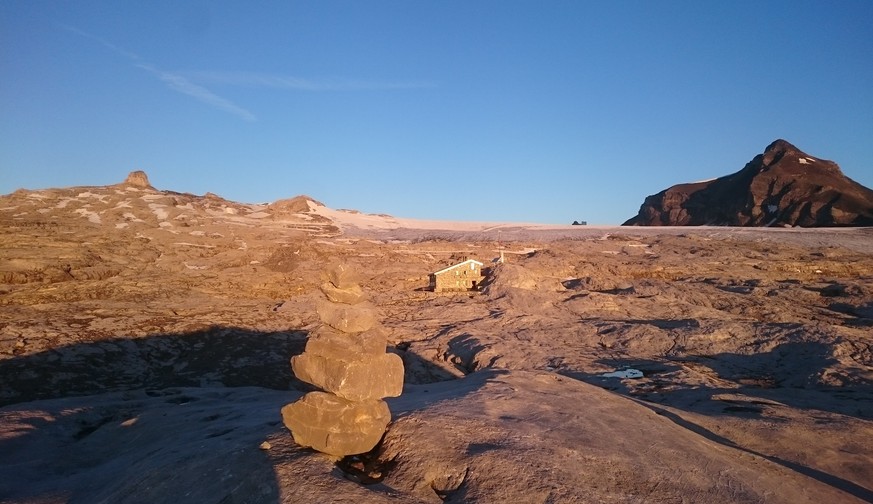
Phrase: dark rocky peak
(783, 186)
(782, 146)
(782, 153)
(779, 149)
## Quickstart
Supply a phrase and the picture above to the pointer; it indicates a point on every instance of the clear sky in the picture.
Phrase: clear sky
(535, 111)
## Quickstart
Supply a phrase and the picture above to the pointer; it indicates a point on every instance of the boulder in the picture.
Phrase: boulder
(348, 318)
(334, 425)
(328, 342)
(374, 377)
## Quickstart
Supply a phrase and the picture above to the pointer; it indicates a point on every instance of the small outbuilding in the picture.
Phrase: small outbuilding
(463, 276)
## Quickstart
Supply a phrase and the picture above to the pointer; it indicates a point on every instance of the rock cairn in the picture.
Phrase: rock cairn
(346, 359)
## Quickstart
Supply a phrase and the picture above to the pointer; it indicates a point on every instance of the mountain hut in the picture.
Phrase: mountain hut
(464, 276)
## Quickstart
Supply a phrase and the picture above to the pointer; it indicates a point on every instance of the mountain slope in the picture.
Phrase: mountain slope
(783, 186)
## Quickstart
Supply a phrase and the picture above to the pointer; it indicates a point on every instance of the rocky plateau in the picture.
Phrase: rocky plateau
(146, 338)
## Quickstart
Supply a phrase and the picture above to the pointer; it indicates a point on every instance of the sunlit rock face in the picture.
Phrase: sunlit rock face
(783, 186)
(346, 359)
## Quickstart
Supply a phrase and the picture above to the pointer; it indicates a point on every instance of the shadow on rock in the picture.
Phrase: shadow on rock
(138, 447)
(214, 357)
(798, 374)
(862, 315)
(419, 396)
(795, 374)
(419, 370)
(652, 370)
(821, 476)
(463, 351)
(751, 386)
(796, 365)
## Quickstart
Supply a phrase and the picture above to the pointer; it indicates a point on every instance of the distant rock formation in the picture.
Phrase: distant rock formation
(346, 359)
(297, 204)
(781, 187)
(138, 178)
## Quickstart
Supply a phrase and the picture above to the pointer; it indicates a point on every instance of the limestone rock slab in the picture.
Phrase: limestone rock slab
(334, 425)
(348, 318)
(356, 380)
(328, 342)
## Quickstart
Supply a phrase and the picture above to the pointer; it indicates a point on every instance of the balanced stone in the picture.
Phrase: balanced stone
(334, 425)
(373, 377)
(328, 342)
(341, 276)
(346, 295)
(348, 318)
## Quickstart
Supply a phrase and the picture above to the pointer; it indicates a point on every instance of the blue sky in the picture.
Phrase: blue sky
(518, 110)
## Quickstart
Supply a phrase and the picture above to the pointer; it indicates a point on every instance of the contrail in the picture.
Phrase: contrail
(262, 80)
(174, 81)
(178, 83)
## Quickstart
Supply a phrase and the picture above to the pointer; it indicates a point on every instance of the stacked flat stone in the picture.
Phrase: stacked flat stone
(346, 359)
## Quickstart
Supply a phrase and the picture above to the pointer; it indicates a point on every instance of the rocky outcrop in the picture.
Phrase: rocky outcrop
(346, 359)
(297, 204)
(783, 186)
(138, 178)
